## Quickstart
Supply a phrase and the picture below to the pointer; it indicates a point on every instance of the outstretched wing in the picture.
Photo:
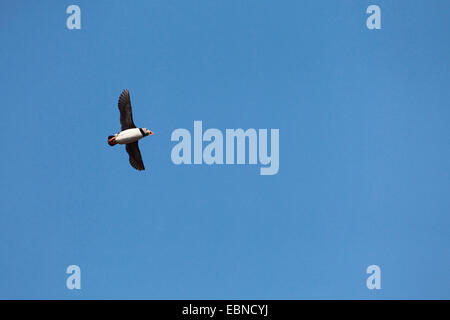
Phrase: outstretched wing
(135, 156)
(126, 116)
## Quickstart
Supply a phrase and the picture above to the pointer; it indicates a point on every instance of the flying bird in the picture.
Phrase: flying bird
(129, 134)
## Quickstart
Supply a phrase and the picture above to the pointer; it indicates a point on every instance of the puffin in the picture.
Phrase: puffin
(129, 134)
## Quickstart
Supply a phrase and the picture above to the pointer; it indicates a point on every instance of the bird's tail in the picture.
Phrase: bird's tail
(112, 140)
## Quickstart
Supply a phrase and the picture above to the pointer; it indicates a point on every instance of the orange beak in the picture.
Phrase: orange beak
(112, 141)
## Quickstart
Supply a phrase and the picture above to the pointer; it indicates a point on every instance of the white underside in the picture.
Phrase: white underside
(128, 136)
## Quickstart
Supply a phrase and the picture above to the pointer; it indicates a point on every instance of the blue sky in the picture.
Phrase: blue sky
(364, 150)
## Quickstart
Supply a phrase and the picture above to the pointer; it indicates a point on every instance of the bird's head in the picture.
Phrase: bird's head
(148, 132)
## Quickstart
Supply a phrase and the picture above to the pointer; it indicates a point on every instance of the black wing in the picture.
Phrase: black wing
(135, 156)
(126, 116)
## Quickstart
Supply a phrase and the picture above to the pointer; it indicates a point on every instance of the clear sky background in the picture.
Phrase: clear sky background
(364, 119)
